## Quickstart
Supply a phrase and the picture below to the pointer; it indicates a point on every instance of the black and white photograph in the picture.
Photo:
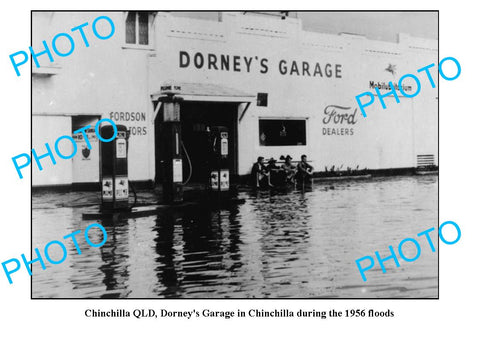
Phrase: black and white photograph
(234, 154)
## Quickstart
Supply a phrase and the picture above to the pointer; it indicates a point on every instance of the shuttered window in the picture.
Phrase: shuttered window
(137, 29)
(131, 28)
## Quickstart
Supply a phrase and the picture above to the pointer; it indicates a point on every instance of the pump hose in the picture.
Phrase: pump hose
(188, 179)
(134, 194)
(189, 164)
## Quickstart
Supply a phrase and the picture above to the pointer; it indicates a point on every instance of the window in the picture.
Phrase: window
(136, 28)
(262, 99)
(282, 132)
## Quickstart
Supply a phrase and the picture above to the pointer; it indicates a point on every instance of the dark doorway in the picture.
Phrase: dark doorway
(196, 118)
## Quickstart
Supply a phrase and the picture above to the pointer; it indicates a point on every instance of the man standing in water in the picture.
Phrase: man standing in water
(260, 172)
(289, 169)
(305, 170)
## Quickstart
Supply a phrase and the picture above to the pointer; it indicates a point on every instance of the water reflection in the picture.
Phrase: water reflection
(114, 255)
(277, 244)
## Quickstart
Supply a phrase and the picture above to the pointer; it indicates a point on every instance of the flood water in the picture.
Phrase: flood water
(274, 245)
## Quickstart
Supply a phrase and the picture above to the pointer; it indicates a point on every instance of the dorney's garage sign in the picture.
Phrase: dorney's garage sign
(248, 64)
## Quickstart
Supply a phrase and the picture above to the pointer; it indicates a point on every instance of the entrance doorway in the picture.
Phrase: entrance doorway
(196, 119)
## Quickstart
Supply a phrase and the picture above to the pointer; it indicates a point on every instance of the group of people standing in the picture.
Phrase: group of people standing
(272, 174)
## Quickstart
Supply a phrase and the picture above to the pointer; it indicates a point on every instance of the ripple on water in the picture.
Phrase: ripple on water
(277, 244)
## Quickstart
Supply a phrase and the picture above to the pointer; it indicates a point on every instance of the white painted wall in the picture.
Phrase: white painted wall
(46, 130)
(388, 138)
(93, 81)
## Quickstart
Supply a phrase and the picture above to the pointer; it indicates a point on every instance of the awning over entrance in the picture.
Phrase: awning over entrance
(206, 92)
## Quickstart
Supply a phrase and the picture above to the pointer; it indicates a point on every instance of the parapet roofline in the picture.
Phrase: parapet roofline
(270, 26)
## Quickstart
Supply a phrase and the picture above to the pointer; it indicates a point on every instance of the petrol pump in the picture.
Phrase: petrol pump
(171, 147)
(219, 171)
(114, 169)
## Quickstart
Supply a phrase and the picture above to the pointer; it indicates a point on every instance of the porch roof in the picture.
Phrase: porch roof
(205, 92)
